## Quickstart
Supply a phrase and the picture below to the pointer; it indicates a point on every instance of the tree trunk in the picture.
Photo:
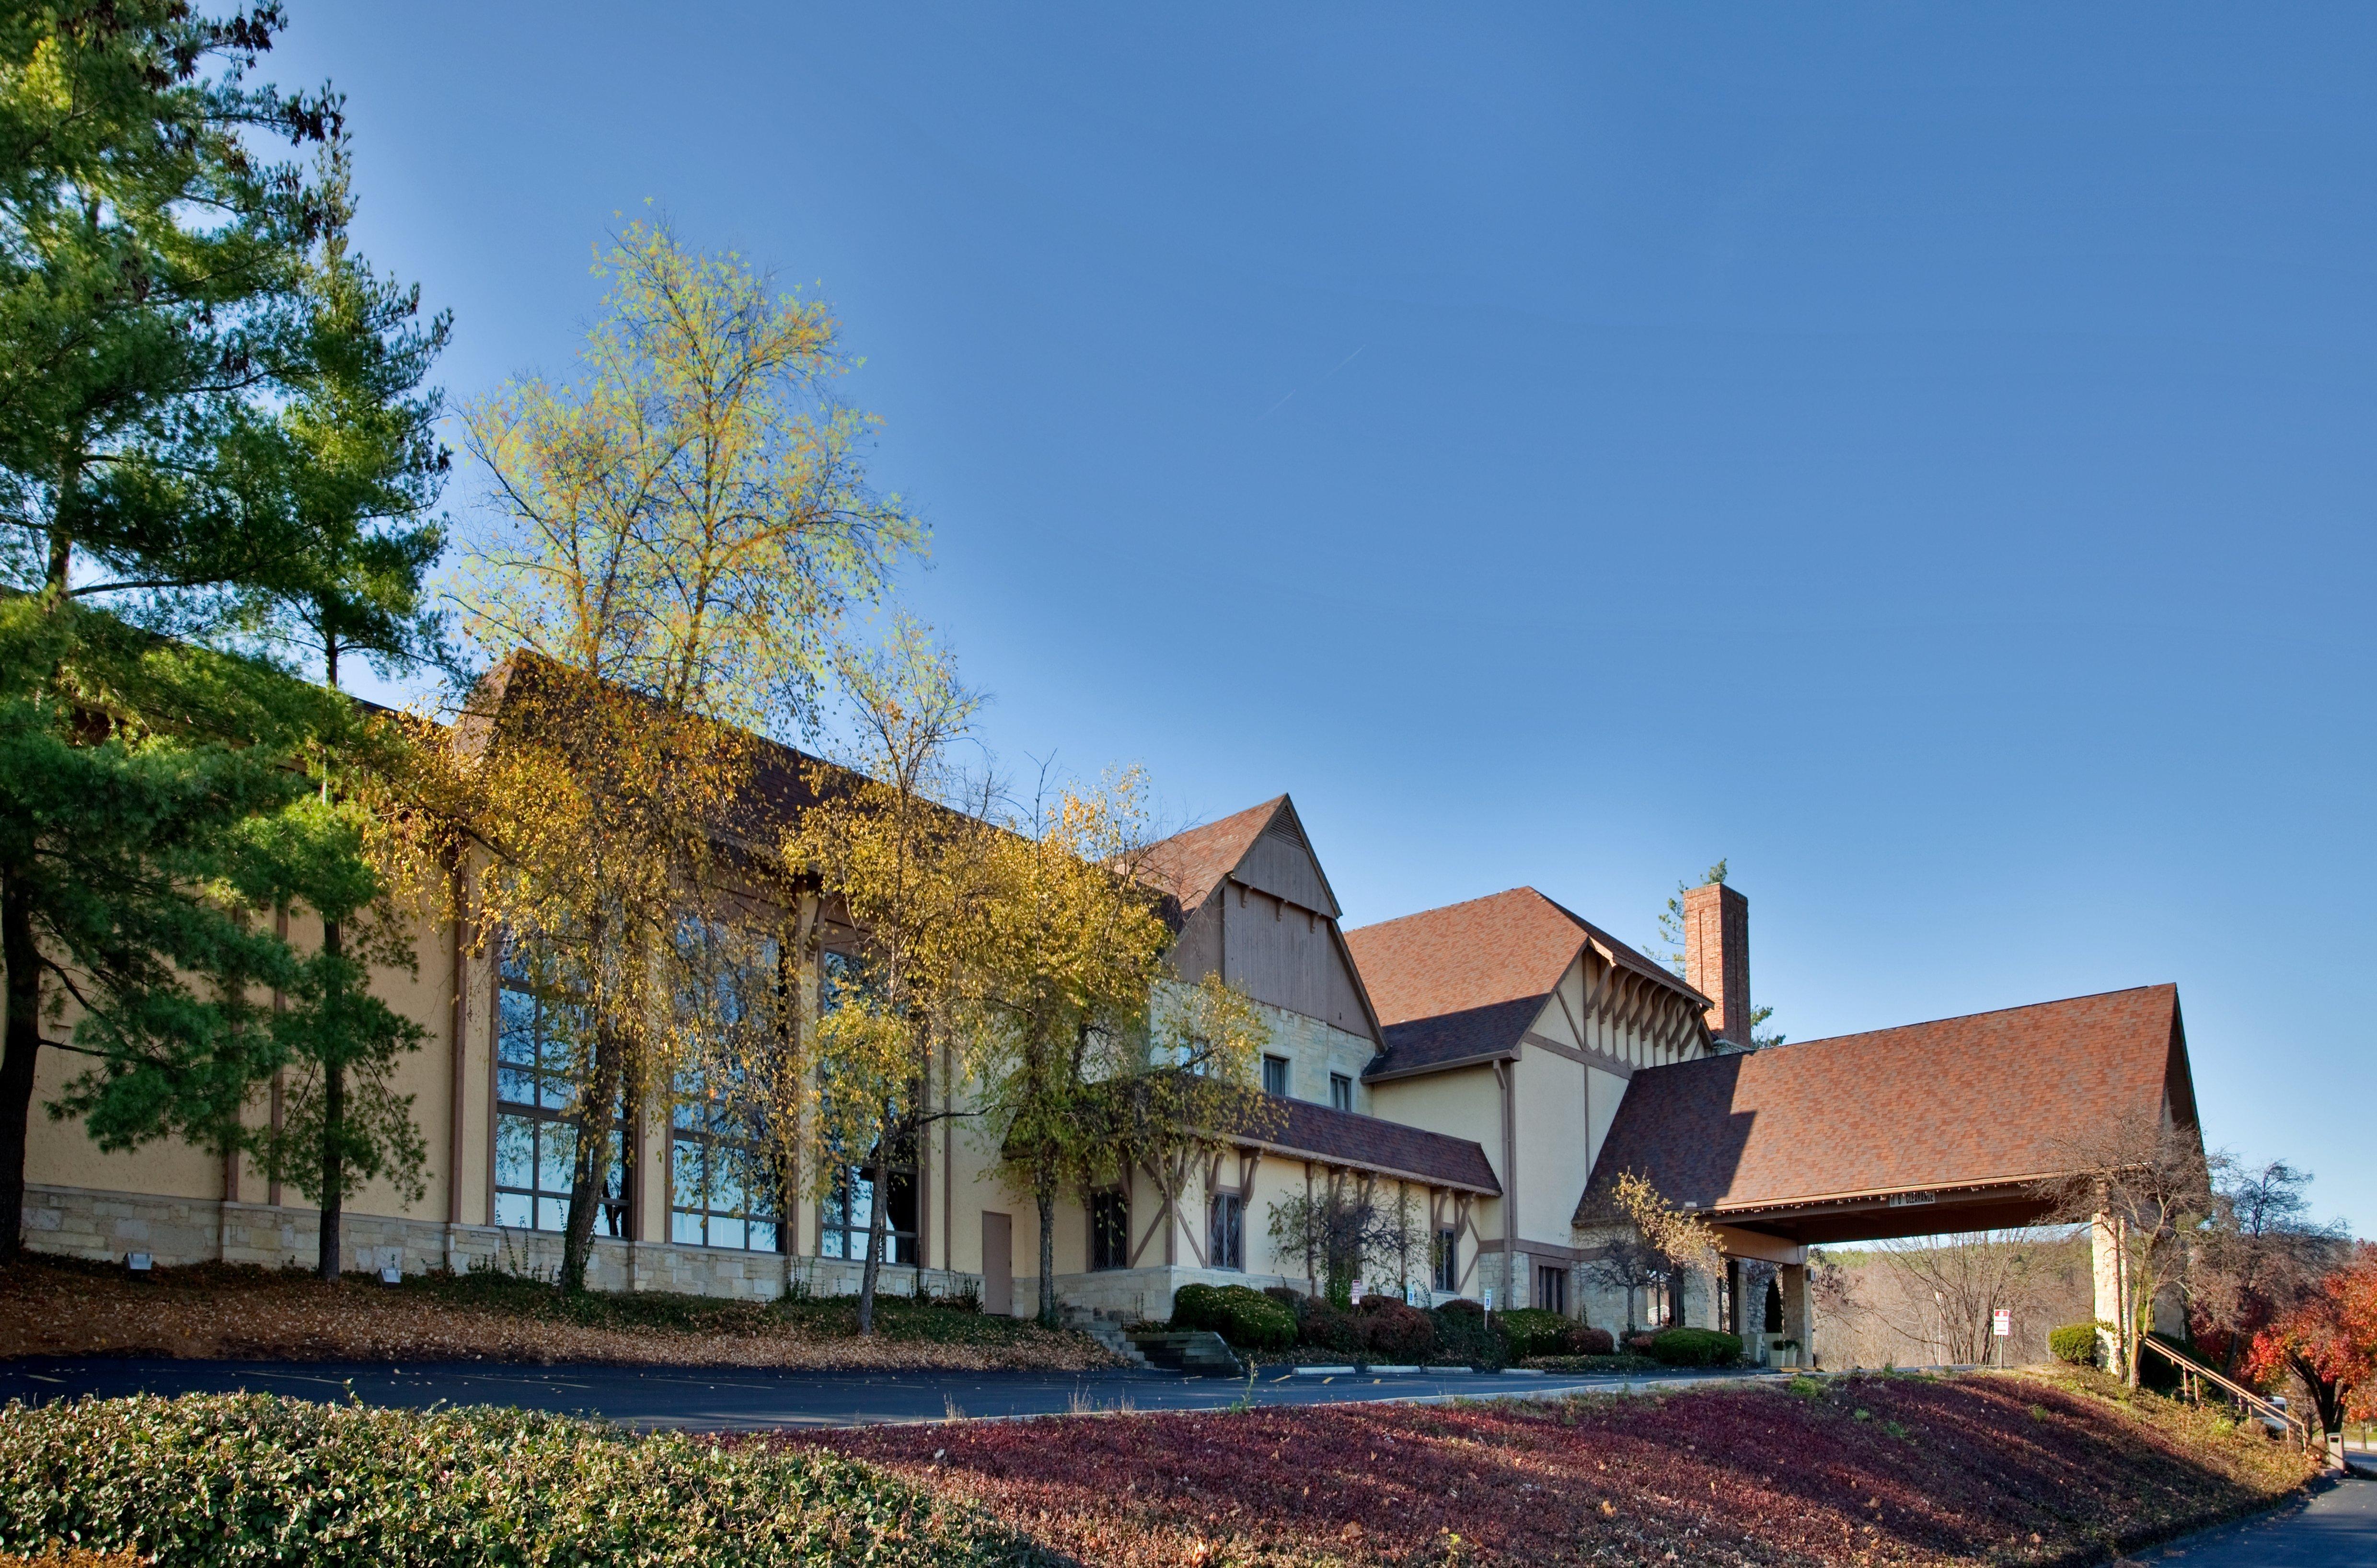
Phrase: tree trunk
(327, 1253)
(1043, 1196)
(875, 1236)
(23, 957)
(592, 1168)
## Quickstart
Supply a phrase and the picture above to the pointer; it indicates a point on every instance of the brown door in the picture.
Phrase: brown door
(998, 1264)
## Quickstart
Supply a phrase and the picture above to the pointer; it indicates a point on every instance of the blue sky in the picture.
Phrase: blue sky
(1920, 454)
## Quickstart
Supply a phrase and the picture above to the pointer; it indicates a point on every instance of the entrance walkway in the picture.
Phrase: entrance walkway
(717, 1399)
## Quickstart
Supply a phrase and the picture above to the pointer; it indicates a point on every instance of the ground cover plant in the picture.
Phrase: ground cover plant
(59, 1306)
(2002, 1468)
(251, 1479)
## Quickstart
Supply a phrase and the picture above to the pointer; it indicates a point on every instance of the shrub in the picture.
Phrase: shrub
(1583, 1341)
(1464, 1338)
(2075, 1343)
(1395, 1332)
(1327, 1327)
(1695, 1347)
(1590, 1364)
(239, 1478)
(1245, 1317)
(1531, 1331)
(1640, 1344)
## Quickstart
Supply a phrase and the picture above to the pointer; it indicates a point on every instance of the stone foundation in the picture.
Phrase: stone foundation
(105, 1227)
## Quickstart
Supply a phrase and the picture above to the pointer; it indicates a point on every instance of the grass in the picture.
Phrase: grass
(212, 1479)
(50, 1305)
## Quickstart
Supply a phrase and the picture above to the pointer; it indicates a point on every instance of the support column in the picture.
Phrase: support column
(1799, 1309)
(2106, 1257)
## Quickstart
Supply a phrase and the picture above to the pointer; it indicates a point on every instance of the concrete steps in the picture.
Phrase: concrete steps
(1201, 1353)
(1106, 1331)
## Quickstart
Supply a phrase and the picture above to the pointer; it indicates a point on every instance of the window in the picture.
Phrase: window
(720, 1192)
(1448, 1261)
(1551, 1288)
(1226, 1229)
(1341, 1091)
(1110, 1229)
(1275, 1075)
(848, 1212)
(536, 1108)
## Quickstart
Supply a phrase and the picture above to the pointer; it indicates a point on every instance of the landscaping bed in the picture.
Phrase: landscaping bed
(58, 1307)
(250, 1479)
(2012, 1468)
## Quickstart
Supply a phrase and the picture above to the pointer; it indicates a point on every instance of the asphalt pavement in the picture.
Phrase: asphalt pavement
(2335, 1527)
(746, 1399)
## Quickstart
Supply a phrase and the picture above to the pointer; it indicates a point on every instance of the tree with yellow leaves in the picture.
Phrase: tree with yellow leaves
(677, 534)
(913, 875)
(1080, 1070)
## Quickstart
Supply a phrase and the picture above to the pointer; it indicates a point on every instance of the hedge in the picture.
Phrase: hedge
(252, 1479)
(1395, 1331)
(2076, 1343)
(1245, 1317)
(1533, 1330)
(1695, 1347)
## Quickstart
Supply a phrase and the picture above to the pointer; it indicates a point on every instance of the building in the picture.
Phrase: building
(1480, 1065)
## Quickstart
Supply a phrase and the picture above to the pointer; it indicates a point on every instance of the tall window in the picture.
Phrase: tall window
(1275, 1075)
(723, 1189)
(1551, 1288)
(720, 1192)
(1110, 1228)
(1448, 1261)
(536, 1098)
(1225, 1224)
(845, 1217)
(1341, 1091)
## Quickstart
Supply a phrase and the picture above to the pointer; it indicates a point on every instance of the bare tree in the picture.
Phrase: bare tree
(2260, 1254)
(1950, 1286)
(2143, 1183)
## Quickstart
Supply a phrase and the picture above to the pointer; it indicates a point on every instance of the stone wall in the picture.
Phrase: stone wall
(105, 1227)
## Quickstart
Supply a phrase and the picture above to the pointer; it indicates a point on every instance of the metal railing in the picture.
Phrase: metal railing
(2194, 1373)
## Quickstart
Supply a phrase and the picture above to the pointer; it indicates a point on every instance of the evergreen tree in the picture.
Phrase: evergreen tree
(154, 318)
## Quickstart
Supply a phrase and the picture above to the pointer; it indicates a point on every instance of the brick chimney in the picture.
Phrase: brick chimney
(1716, 960)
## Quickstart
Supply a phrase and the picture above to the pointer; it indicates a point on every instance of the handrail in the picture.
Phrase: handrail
(2296, 1424)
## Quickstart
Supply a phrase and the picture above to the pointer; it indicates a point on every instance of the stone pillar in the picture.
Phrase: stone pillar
(2105, 1255)
(1799, 1309)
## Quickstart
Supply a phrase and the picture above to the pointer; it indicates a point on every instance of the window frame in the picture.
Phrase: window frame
(1448, 1260)
(1551, 1280)
(1228, 1238)
(616, 1213)
(1109, 1216)
(1281, 1063)
(1341, 1091)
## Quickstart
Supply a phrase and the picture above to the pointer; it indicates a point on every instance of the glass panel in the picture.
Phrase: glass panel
(516, 1210)
(557, 1146)
(860, 1202)
(685, 1186)
(514, 1151)
(516, 1031)
(515, 1087)
(686, 1229)
(725, 1232)
(763, 1236)
(557, 1093)
(829, 1244)
(552, 1214)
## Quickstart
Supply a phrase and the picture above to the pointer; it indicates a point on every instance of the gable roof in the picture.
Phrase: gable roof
(1986, 1099)
(1463, 982)
(1191, 864)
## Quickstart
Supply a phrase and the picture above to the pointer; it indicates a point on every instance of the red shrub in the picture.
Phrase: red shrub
(1395, 1332)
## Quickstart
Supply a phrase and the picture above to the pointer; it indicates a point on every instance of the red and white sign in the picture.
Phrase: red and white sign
(2001, 1323)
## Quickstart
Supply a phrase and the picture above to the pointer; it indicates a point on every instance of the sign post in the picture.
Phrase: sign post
(2002, 1328)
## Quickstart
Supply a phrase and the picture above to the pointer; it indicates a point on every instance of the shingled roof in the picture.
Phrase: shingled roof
(1988, 1098)
(1345, 1137)
(1191, 864)
(1463, 982)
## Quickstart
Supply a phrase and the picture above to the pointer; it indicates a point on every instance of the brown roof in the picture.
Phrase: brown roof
(1962, 1102)
(1190, 865)
(1466, 980)
(1348, 1137)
